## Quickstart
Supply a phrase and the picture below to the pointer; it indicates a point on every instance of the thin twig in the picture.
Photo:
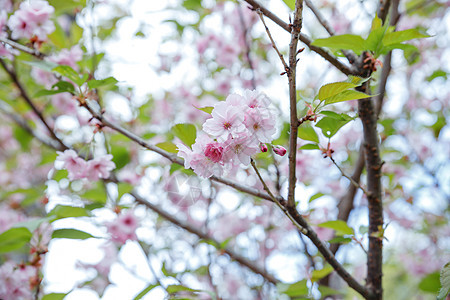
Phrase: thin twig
(305, 39)
(356, 184)
(12, 74)
(36, 53)
(320, 17)
(282, 207)
(286, 67)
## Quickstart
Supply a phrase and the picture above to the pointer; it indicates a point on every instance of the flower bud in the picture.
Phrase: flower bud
(263, 147)
(280, 150)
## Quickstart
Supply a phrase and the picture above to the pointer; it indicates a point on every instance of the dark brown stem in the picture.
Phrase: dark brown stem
(12, 74)
(23, 48)
(296, 28)
(368, 117)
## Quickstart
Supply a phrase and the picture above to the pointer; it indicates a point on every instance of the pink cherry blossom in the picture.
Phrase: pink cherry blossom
(240, 148)
(214, 151)
(225, 120)
(75, 165)
(123, 228)
(261, 125)
(99, 167)
(68, 57)
(15, 281)
(280, 150)
(32, 19)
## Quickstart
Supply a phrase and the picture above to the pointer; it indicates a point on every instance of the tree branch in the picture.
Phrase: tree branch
(24, 94)
(304, 39)
(36, 53)
(293, 135)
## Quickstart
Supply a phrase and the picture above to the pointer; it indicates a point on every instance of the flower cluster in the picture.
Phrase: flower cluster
(124, 228)
(238, 129)
(78, 168)
(32, 20)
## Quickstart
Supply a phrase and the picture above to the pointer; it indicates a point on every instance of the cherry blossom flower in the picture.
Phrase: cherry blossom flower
(68, 57)
(100, 167)
(15, 281)
(240, 149)
(75, 165)
(225, 120)
(123, 228)
(32, 19)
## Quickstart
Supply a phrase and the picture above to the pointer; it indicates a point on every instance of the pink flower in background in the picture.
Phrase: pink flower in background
(65, 103)
(75, 165)
(68, 57)
(100, 167)
(32, 19)
(15, 281)
(123, 228)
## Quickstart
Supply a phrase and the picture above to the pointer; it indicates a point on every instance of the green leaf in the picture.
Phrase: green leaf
(93, 84)
(175, 167)
(32, 225)
(326, 291)
(357, 80)
(445, 282)
(315, 196)
(66, 5)
(344, 41)
(346, 96)
(124, 188)
(334, 115)
(97, 194)
(171, 289)
(319, 274)
(54, 296)
(206, 109)
(61, 87)
(70, 233)
(41, 64)
(14, 239)
(121, 156)
(145, 291)
(340, 240)
(397, 37)
(430, 283)
(340, 226)
(62, 211)
(23, 137)
(290, 4)
(436, 74)
(330, 126)
(168, 146)
(309, 147)
(293, 290)
(186, 133)
(332, 89)
(307, 132)
(71, 74)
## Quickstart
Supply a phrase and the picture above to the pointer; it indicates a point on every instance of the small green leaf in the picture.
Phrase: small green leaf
(175, 167)
(41, 64)
(346, 96)
(326, 291)
(70, 233)
(61, 87)
(309, 147)
(315, 196)
(340, 226)
(332, 89)
(145, 291)
(340, 240)
(62, 211)
(334, 115)
(121, 156)
(186, 133)
(297, 289)
(14, 239)
(344, 41)
(402, 36)
(97, 194)
(206, 109)
(54, 296)
(71, 74)
(124, 188)
(437, 74)
(171, 289)
(23, 137)
(93, 84)
(430, 283)
(32, 225)
(290, 4)
(168, 146)
(445, 282)
(330, 126)
(319, 274)
(307, 132)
